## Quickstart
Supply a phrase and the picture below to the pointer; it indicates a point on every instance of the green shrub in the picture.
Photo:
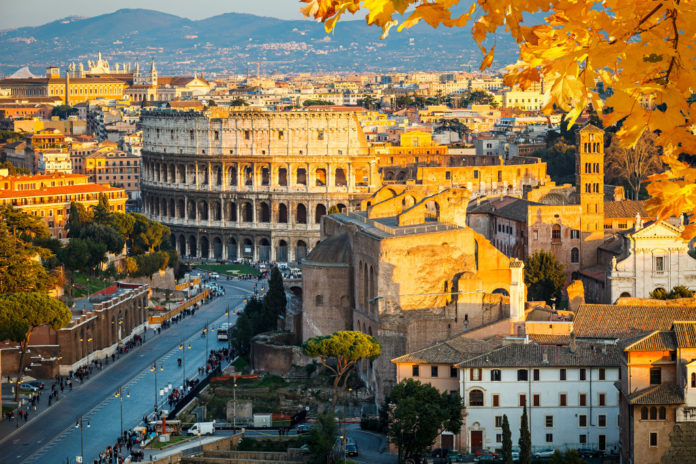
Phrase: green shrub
(659, 294)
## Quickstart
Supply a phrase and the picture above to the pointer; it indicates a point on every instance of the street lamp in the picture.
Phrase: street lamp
(234, 405)
(229, 341)
(183, 347)
(80, 423)
(119, 395)
(205, 358)
(154, 369)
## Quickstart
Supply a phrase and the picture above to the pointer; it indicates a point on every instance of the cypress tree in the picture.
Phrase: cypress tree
(274, 302)
(507, 441)
(74, 224)
(525, 439)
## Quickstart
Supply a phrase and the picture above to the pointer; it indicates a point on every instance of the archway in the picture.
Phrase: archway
(203, 210)
(264, 212)
(282, 213)
(180, 209)
(264, 250)
(217, 248)
(192, 210)
(301, 217)
(301, 250)
(282, 251)
(232, 249)
(182, 245)
(192, 250)
(205, 247)
(320, 177)
(319, 212)
(340, 179)
(231, 211)
(247, 212)
(248, 249)
(432, 212)
(217, 211)
(500, 291)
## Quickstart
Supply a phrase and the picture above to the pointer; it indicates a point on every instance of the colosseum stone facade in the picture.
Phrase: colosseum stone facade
(251, 184)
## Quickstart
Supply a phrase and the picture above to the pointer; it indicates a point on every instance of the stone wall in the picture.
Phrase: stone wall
(275, 359)
(161, 279)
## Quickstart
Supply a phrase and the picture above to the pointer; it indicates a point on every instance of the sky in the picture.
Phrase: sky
(20, 13)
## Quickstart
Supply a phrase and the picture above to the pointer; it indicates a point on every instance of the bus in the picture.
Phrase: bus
(222, 332)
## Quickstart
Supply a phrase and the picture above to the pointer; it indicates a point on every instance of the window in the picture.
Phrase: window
(693, 379)
(602, 420)
(583, 374)
(536, 399)
(602, 399)
(453, 372)
(475, 398)
(583, 399)
(663, 413)
(556, 232)
(563, 401)
(433, 371)
(523, 400)
(496, 401)
(319, 300)
(644, 413)
(549, 438)
(415, 371)
(247, 135)
(535, 373)
(522, 374)
(574, 255)
(653, 439)
(448, 175)
(582, 439)
(280, 135)
(602, 374)
(653, 413)
(563, 374)
(659, 264)
(496, 375)
(499, 437)
(475, 374)
(582, 420)
(655, 376)
(498, 421)
(549, 421)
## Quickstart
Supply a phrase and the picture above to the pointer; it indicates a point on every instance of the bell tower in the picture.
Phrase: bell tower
(589, 172)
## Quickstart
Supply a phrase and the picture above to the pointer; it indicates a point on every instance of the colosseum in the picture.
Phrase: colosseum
(252, 184)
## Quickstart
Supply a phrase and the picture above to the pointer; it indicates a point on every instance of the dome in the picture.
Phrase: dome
(334, 250)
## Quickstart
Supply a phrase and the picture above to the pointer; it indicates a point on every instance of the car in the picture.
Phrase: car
(303, 428)
(515, 455)
(351, 448)
(544, 453)
(486, 458)
(589, 453)
(36, 383)
(485, 452)
(214, 275)
(28, 387)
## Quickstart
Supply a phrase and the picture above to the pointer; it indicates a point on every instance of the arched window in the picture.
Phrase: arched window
(556, 232)
(475, 398)
(320, 211)
(574, 255)
(340, 179)
(282, 213)
(265, 212)
(320, 177)
(663, 413)
(644, 413)
(301, 214)
(653, 413)
(301, 176)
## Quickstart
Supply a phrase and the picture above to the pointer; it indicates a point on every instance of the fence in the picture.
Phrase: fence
(186, 304)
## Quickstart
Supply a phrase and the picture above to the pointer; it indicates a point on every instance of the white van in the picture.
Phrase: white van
(202, 428)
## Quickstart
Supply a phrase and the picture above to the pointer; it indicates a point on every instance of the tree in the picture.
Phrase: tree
(525, 440)
(403, 101)
(369, 102)
(633, 165)
(507, 441)
(239, 102)
(343, 349)
(148, 235)
(642, 52)
(21, 314)
(559, 157)
(101, 210)
(104, 234)
(316, 102)
(20, 267)
(419, 412)
(478, 97)
(22, 225)
(544, 277)
(568, 457)
(322, 438)
(123, 223)
(63, 111)
(12, 169)
(78, 216)
(453, 125)
(680, 291)
(274, 301)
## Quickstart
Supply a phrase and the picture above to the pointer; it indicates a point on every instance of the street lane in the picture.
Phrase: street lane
(53, 438)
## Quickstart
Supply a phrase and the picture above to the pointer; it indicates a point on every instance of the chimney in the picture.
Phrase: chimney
(573, 344)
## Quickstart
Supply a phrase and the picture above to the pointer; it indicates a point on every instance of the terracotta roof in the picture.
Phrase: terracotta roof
(618, 321)
(62, 190)
(667, 393)
(590, 128)
(685, 333)
(529, 355)
(516, 211)
(543, 339)
(450, 351)
(30, 177)
(659, 340)
(624, 209)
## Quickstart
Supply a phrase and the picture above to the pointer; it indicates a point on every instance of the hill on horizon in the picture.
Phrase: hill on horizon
(230, 42)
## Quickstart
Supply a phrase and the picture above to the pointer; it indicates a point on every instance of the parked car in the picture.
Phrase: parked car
(516, 455)
(589, 453)
(303, 428)
(488, 458)
(351, 448)
(544, 453)
(36, 383)
(485, 452)
(28, 387)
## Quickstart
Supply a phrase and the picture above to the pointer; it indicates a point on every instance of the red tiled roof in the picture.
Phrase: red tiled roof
(686, 334)
(660, 340)
(618, 321)
(624, 209)
(62, 190)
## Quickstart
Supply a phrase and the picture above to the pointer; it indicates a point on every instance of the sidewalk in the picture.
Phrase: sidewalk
(7, 428)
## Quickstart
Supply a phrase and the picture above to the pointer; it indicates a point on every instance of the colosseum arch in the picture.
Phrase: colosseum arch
(217, 210)
(172, 173)
(282, 213)
(265, 176)
(172, 209)
(282, 251)
(264, 250)
(217, 248)
(182, 245)
(319, 212)
(401, 175)
(248, 249)
(191, 174)
(301, 216)
(192, 210)
(156, 205)
(180, 208)
(203, 175)
(247, 212)
(232, 175)
(248, 176)
(203, 210)
(205, 247)
(300, 250)
(408, 201)
(341, 207)
(231, 211)
(192, 249)
(232, 249)
(264, 212)
(320, 177)
(163, 206)
(340, 178)
(301, 176)
(181, 174)
(432, 210)
(389, 175)
(282, 177)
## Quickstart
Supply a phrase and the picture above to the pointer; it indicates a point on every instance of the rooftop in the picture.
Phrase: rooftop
(619, 321)
(387, 227)
(450, 351)
(531, 355)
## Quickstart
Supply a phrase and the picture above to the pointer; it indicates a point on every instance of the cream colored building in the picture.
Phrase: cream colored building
(527, 100)
(655, 256)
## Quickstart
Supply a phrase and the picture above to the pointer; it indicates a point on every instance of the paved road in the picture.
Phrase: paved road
(372, 447)
(52, 437)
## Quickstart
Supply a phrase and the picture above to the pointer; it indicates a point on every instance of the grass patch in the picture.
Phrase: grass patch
(272, 381)
(228, 268)
(240, 364)
(83, 285)
(173, 440)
